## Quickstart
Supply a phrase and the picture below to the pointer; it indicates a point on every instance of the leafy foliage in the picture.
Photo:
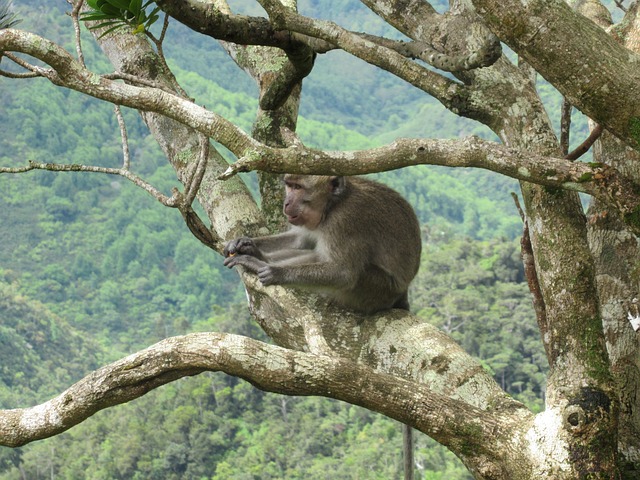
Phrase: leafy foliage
(114, 14)
(7, 19)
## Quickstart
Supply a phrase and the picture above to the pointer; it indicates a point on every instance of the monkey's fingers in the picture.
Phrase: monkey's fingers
(231, 261)
(268, 275)
(247, 261)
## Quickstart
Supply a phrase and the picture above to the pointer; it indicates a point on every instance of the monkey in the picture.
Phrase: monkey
(355, 241)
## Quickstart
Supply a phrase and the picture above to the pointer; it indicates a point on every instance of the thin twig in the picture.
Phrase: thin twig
(126, 163)
(199, 230)
(193, 185)
(59, 167)
(177, 200)
(565, 126)
(516, 200)
(165, 26)
(24, 64)
(4, 73)
(620, 6)
(531, 274)
(135, 80)
(586, 145)
(75, 12)
(159, 50)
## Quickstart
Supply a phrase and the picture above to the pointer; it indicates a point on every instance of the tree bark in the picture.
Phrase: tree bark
(537, 31)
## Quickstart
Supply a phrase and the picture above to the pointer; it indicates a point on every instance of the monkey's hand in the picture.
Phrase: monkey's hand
(242, 246)
(250, 263)
(271, 275)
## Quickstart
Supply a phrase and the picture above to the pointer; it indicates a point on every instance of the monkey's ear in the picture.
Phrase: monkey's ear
(338, 185)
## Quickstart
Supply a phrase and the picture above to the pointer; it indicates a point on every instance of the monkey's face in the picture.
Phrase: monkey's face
(304, 202)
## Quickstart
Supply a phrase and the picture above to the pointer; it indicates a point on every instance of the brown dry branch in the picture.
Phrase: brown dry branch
(59, 167)
(586, 144)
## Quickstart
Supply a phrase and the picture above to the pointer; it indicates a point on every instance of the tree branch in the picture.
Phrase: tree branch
(59, 167)
(75, 13)
(68, 72)
(586, 144)
(530, 273)
(559, 46)
(425, 24)
(565, 126)
(177, 200)
(597, 180)
(33, 70)
(270, 368)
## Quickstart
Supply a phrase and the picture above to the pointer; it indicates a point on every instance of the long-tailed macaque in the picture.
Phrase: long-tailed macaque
(353, 240)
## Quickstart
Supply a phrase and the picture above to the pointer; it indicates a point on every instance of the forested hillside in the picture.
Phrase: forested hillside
(92, 268)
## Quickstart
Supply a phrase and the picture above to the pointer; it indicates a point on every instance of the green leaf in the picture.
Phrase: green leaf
(152, 19)
(110, 10)
(91, 16)
(115, 23)
(121, 12)
(120, 4)
(154, 13)
(136, 7)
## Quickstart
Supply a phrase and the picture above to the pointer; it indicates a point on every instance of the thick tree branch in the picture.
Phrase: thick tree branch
(270, 368)
(425, 25)
(445, 90)
(295, 31)
(208, 19)
(597, 180)
(469, 153)
(600, 181)
(559, 45)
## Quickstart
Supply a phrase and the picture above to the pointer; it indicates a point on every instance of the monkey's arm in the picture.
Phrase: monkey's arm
(325, 274)
(296, 271)
(292, 256)
(280, 258)
(290, 240)
(268, 246)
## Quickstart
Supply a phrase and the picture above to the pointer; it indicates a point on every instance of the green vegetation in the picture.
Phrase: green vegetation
(92, 268)
(113, 14)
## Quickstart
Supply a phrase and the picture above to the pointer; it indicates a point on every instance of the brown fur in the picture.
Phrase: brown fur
(354, 240)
